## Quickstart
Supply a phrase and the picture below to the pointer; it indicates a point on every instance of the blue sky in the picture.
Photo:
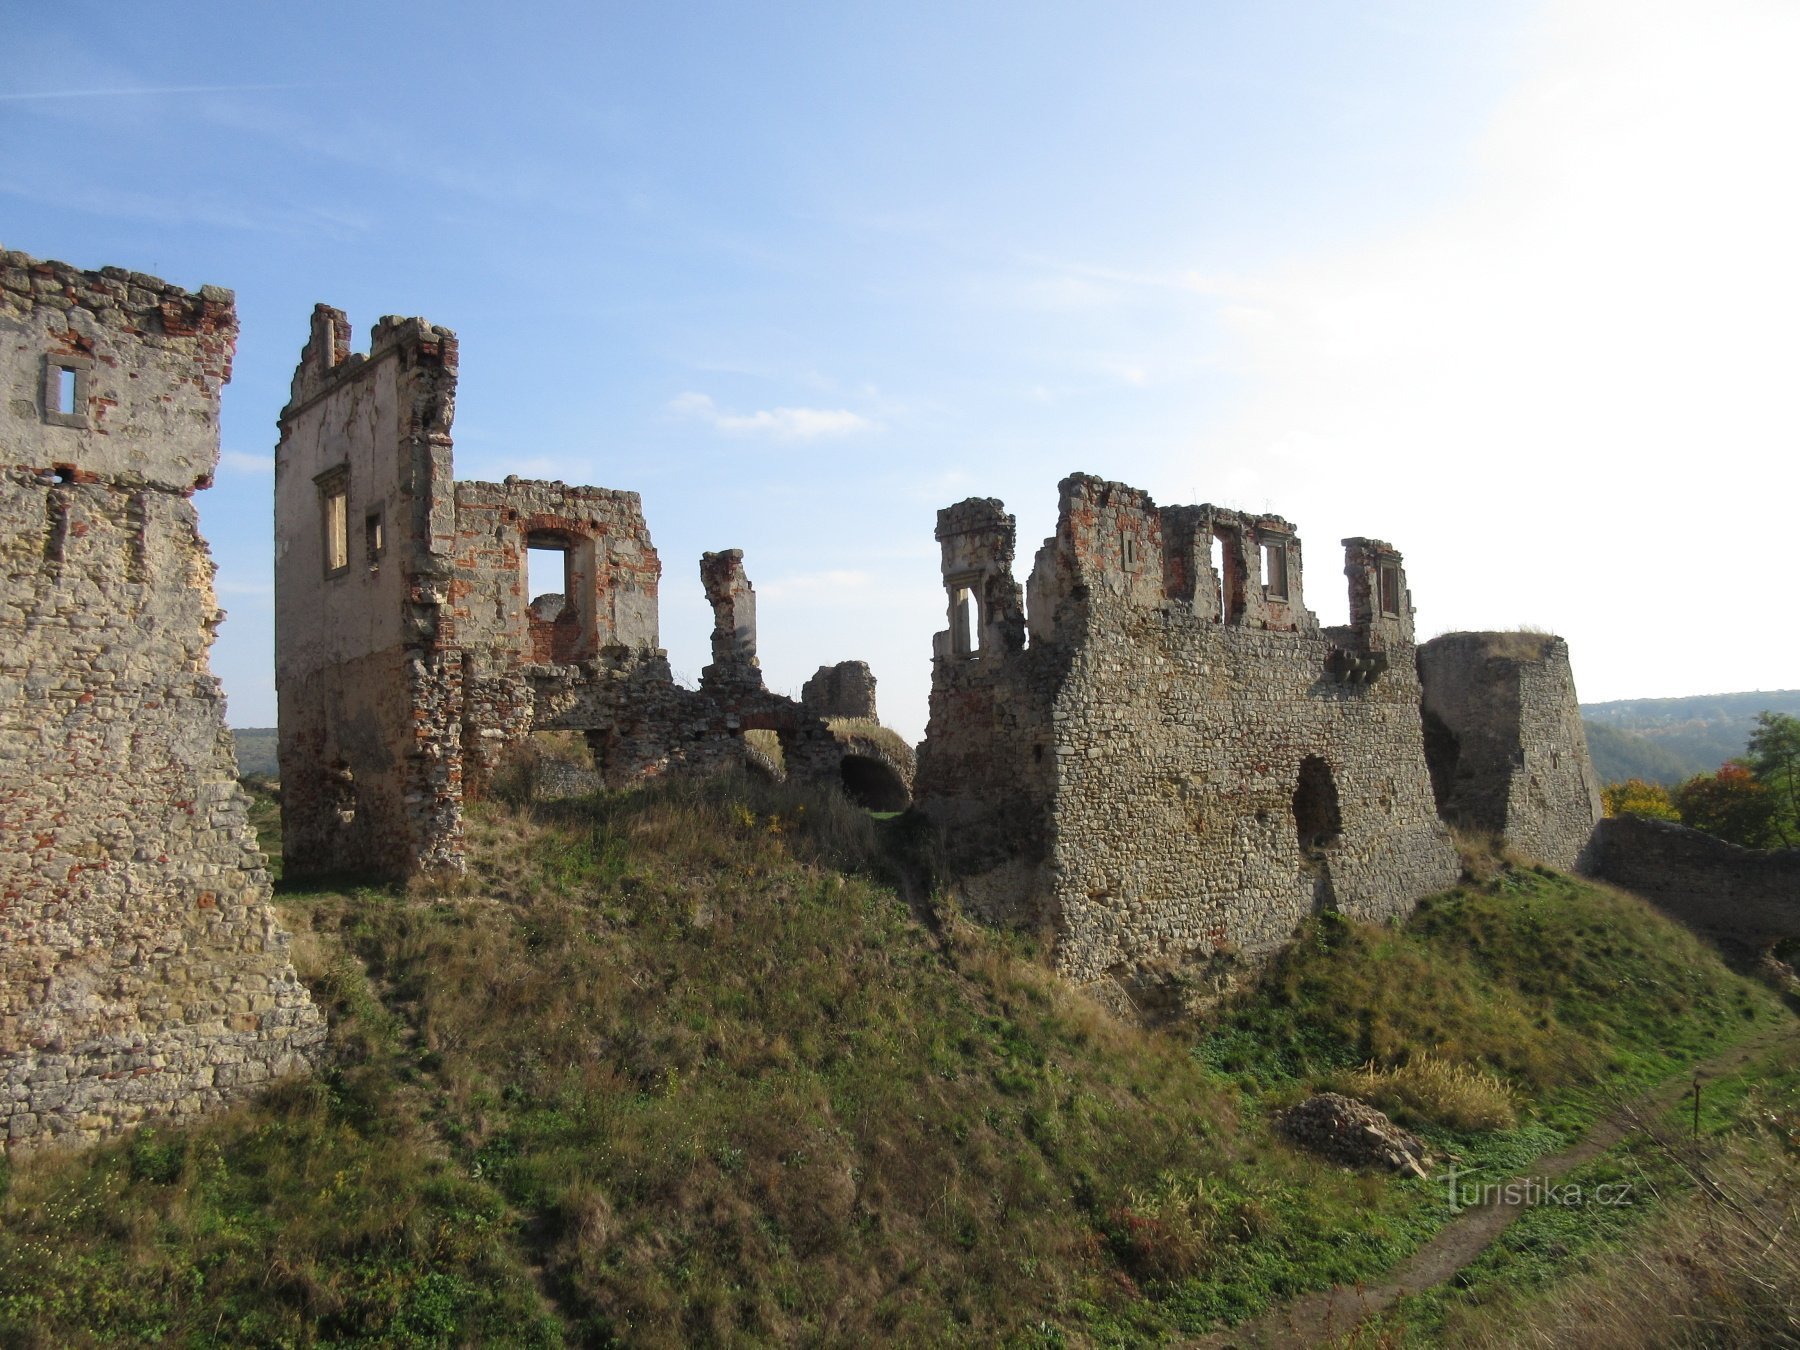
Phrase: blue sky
(1511, 285)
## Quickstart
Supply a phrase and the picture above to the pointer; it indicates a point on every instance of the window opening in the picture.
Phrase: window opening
(1218, 568)
(1390, 590)
(334, 509)
(374, 542)
(1275, 574)
(65, 391)
(962, 622)
(1128, 551)
(547, 572)
(1317, 820)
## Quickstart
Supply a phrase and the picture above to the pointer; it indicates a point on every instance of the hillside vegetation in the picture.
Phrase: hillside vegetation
(1666, 740)
(683, 1065)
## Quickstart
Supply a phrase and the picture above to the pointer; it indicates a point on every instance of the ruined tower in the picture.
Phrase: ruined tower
(1163, 754)
(142, 971)
(1504, 738)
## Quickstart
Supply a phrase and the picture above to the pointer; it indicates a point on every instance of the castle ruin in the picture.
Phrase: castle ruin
(411, 658)
(142, 971)
(1155, 752)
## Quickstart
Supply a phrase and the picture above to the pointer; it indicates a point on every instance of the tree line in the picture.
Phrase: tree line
(1752, 799)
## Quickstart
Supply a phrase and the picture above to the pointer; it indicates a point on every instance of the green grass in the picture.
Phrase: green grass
(679, 1065)
(1639, 1196)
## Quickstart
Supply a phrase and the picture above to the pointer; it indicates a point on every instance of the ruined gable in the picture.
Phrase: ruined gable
(416, 659)
(142, 971)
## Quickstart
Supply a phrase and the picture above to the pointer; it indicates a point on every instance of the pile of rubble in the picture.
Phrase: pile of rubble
(1353, 1133)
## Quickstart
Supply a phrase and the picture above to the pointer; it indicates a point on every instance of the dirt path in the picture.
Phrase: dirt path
(1315, 1318)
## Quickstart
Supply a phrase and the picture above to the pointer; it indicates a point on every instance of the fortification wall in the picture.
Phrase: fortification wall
(1184, 753)
(1176, 759)
(1744, 895)
(1507, 746)
(142, 971)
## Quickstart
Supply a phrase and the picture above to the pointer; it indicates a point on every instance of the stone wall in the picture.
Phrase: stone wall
(142, 971)
(368, 679)
(1746, 896)
(1177, 759)
(412, 662)
(844, 690)
(1507, 749)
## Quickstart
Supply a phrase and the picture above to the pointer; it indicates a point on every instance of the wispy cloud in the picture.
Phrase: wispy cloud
(240, 461)
(782, 424)
(830, 584)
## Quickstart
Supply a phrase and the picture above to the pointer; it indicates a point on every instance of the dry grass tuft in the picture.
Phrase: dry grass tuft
(861, 728)
(1439, 1091)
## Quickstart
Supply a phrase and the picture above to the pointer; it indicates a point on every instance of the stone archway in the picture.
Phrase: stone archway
(873, 784)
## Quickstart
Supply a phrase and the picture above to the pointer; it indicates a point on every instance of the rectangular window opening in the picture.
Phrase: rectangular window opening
(337, 528)
(64, 401)
(1217, 555)
(374, 540)
(1390, 590)
(547, 572)
(964, 639)
(1128, 551)
(1275, 573)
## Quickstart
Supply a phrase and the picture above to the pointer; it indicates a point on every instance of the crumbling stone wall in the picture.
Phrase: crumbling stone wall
(1507, 748)
(1168, 756)
(412, 661)
(142, 971)
(844, 690)
(1745, 896)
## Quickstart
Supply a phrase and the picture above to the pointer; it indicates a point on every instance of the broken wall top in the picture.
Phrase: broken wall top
(111, 374)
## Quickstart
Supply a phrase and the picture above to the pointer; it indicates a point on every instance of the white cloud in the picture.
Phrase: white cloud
(239, 461)
(782, 424)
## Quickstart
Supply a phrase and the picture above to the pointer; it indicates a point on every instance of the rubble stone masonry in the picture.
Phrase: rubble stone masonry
(142, 970)
(412, 661)
(1168, 756)
(1504, 739)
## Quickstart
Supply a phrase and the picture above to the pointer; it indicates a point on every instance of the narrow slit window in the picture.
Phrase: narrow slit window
(337, 530)
(1128, 551)
(374, 538)
(1216, 555)
(65, 391)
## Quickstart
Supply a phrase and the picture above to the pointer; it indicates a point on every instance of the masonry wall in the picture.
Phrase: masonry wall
(368, 682)
(1143, 756)
(1745, 895)
(142, 971)
(1507, 746)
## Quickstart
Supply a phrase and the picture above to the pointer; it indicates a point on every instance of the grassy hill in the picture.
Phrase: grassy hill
(684, 1065)
(1667, 740)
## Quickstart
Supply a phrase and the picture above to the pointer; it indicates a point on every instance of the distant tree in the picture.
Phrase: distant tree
(1635, 797)
(1730, 804)
(1774, 759)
